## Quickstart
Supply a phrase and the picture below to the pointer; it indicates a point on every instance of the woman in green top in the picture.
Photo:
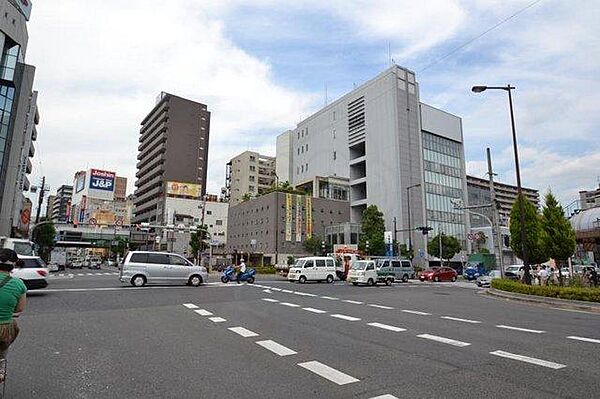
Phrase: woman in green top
(12, 301)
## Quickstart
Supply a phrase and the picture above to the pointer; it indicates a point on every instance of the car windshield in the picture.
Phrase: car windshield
(359, 265)
(23, 248)
(33, 263)
(299, 263)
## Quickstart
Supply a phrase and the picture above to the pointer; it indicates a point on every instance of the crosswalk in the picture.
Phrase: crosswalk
(81, 274)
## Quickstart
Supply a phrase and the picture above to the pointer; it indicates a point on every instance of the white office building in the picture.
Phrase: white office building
(390, 146)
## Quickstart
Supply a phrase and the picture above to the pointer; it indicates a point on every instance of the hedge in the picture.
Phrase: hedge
(266, 269)
(573, 293)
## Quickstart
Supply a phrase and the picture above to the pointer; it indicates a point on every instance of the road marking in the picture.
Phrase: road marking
(330, 298)
(203, 312)
(463, 320)
(108, 274)
(520, 329)
(416, 312)
(344, 317)
(80, 274)
(276, 348)
(443, 340)
(319, 311)
(527, 359)
(275, 289)
(190, 306)
(386, 396)
(244, 332)
(387, 327)
(380, 306)
(303, 293)
(328, 373)
(291, 305)
(270, 300)
(267, 291)
(287, 291)
(217, 319)
(90, 274)
(354, 302)
(592, 340)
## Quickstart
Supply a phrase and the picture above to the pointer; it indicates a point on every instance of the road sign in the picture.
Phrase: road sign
(421, 253)
(93, 221)
(388, 237)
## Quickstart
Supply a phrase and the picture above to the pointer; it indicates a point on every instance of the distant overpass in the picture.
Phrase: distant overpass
(85, 236)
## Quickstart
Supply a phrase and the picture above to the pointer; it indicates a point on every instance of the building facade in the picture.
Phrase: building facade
(479, 194)
(393, 149)
(172, 155)
(93, 199)
(283, 165)
(61, 210)
(249, 173)
(18, 117)
(49, 206)
(590, 199)
(279, 223)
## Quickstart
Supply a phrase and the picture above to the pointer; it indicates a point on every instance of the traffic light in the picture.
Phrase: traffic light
(425, 229)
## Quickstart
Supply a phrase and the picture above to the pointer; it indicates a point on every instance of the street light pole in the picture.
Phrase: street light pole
(276, 219)
(409, 226)
(520, 198)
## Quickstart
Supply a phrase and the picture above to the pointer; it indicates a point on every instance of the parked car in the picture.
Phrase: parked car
(471, 273)
(314, 268)
(366, 272)
(94, 262)
(486, 280)
(513, 272)
(439, 274)
(402, 270)
(141, 268)
(32, 270)
(53, 267)
(77, 263)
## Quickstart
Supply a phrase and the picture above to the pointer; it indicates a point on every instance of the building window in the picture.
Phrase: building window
(252, 168)
(306, 147)
(333, 115)
(334, 155)
(333, 133)
(209, 212)
(251, 189)
(251, 178)
(252, 158)
(298, 150)
(298, 135)
(306, 168)
(302, 169)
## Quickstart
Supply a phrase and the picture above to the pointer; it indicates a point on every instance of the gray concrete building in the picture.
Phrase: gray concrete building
(248, 173)
(589, 199)
(280, 223)
(18, 117)
(172, 155)
(479, 193)
(393, 149)
(62, 204)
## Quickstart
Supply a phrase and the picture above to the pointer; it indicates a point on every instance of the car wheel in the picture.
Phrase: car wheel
(302, 279)
(355, 284)
(195, 280)
(250, 280)
(436, 279)
(453, 278)
(329, 279)
(405, 278)
(370, 282)
(138, 280)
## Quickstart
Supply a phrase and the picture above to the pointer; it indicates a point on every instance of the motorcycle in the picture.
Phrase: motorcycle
(230, 274)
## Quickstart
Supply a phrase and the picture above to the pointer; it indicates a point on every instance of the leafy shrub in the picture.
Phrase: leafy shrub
(573, 293)
(266, 269)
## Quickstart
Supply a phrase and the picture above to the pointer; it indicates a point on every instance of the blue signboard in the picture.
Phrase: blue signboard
(102, 180)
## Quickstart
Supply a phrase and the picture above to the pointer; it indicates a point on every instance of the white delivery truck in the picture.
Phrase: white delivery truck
(21, 246)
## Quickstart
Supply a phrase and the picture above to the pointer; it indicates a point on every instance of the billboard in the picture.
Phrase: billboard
(103, 217)
(309, 224)
(102, 180)
(288, 217)
(79, 181)
(299, 218)
(180, 189)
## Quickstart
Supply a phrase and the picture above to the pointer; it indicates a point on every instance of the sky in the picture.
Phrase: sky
(261, 66)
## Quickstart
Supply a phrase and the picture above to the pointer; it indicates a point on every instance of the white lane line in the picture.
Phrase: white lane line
(319, 311)
(463, 320)
(90, 274)
(291, 305)
(330, 298)
(386, 396)
(520, 329)
(190, 306)
(203, 312)
(270, 300)
(287, 291)
(416, 312)
(328, 373)
(584, 339)
(527, 359)
(267, 291)
(80, 274)
(276, 348)
(108, 274)
(303, 293)
(387, 327)
(344, 317)
(244, 332)
(354, 302)
(380, 306)
(275, 289)
(217, 319)
(443, 340)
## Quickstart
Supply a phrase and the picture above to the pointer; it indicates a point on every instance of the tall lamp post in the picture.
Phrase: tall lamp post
(409, 226)
(276, 218)
(509, 88)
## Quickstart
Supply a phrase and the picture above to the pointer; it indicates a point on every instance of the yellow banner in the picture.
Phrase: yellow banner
(288, 217)
(299, 218)
(309, 225)
(184, 189)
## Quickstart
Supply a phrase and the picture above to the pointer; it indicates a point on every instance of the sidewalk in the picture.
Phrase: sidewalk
(555, 302)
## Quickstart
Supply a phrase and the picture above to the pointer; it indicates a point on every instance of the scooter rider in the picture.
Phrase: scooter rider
(241, 270)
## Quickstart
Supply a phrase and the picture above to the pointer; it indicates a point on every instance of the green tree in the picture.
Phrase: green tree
(559, 235)
(533, 232)
(246, 197)
(373, 228)
(313, 245)
(43, 236)
(121, 247)
(450, 246)
(198, 240)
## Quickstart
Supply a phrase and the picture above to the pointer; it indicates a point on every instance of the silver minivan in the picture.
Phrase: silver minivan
(141, 267)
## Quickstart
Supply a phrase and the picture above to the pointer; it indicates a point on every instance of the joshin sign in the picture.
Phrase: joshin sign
(102, 180)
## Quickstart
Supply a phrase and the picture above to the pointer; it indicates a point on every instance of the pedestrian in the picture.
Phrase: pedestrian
(543, 275)
(12, 301)
(593, 277)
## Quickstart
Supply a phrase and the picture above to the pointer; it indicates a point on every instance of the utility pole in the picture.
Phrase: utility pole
(496, 233)
(43, 190)
(440, 238)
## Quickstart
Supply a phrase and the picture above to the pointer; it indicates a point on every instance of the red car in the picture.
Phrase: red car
(439, 274)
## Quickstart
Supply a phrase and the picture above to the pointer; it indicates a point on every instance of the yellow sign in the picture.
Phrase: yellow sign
(309, 224)
(288, 217)
(102, 218)
(184, 189)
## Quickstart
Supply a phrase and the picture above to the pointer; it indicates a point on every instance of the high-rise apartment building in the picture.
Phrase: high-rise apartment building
(18, 118)
(479, 193)
(249, 173)
(61, 211)
(49, 206)
(392, 149)
(172, 155)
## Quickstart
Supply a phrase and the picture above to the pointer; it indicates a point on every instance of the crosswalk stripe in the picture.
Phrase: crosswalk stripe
(463, 320)
(354, 302)
(387, 327)
(270, 300)
(416, 312)
(520, 329)
(527, 359)
(344, 317)
(217, 319)
(380, 306)
(276, 348)
(328, 373)
(291, 305)
(203, 312)
(244, 332)
(190, 306)
(313, 310)
(443, 340)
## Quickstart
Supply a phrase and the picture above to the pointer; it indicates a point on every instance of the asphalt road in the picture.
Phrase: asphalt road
(89, 337)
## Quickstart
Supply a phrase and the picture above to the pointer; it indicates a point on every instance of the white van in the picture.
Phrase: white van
(314, 268)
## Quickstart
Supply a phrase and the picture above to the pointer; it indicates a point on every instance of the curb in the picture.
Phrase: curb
(559, 303)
